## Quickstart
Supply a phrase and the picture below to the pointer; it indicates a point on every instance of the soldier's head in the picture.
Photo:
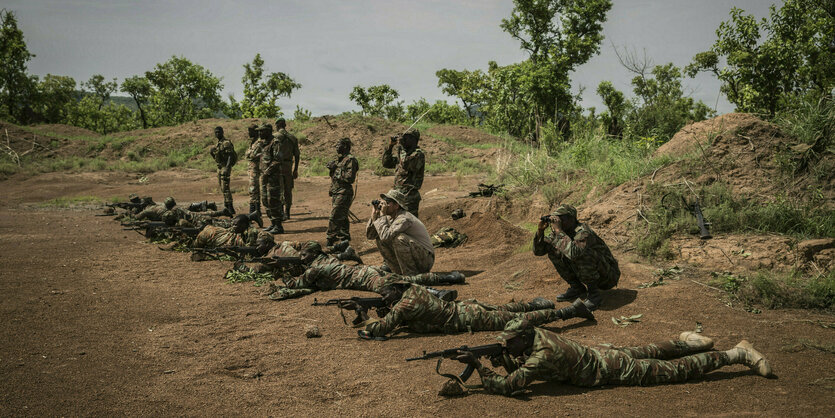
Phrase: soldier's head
(393, 292)
(240, 223)
(265, 132)
(310, 251)
(263, 244)
(280, 123)
(169, 203)
(409, 140)
(134, 198)
(218, 132)
(252, 130)
(395, 200)
(567, 215)
(343, 146)
(517, 336)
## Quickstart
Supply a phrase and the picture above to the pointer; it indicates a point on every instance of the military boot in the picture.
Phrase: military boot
(339, 246)
(577, 309)
(697, 342)
(349, 255)
(276, 228)
(744, 353)
(575, 290)
(254, 207)
(594, 297)
(444, 295)
(455, 277)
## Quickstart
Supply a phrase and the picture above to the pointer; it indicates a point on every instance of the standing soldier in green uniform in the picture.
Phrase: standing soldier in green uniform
(290, 164)
(580, 256)
(408, 164)
(536, 354)
(253, 158)
(272, 181)
(224, 154)
(343, 173)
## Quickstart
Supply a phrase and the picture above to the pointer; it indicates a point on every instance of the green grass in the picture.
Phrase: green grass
(775, 290)
(66, 202)
(456, 163)
(461, 144)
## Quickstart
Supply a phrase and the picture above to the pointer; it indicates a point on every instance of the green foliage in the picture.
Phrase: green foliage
(456, 163)
(258, 279)
(613, 120)
(378, 101)
(769, 61)
(183, 92)
(56, 98)
(261, 92)
(439, 112)
(467, 86)
(301, 114)
(776, 290)
(66, 202)
(813, 123)
(17, 88)
(139, 88)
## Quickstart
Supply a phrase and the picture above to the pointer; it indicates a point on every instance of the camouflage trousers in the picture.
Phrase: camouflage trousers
(339, 227)
(288, 188)
(663, 362)
(476, 316)
(273, 187)
(405, 256)
(599, 274)
(254, 185)
(223, 178)
(371, 281)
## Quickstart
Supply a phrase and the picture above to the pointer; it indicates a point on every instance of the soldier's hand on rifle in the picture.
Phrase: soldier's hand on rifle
(466, 357)
(348, 305)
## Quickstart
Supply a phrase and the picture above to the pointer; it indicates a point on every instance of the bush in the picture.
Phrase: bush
(779, 290)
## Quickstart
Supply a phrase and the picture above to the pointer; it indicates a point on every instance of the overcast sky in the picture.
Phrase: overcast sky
(330, 46)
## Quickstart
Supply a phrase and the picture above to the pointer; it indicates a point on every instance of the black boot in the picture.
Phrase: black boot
(444, 295)
(277, 228)
(594, 298)
(349, 255)
(453, 278)
(577, 309)
(256, 217)
(572, 293)
(339, 246)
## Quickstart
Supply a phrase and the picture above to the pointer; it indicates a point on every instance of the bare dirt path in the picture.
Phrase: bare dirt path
(97, 322)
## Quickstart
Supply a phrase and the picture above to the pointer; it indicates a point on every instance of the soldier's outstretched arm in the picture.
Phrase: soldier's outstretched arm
(514, 383)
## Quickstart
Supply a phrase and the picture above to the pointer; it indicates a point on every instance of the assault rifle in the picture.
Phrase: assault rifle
(277, 261)
(154, 228)
(238, 253)
(486, 190)
(130, 205)
(358, 305)
(489, 350)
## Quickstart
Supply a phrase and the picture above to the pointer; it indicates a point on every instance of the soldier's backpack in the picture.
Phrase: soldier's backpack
(448, 237)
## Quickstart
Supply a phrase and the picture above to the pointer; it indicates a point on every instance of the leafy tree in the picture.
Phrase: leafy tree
(439, 112)
(616, 105)
(99, 88)
(17, 89)
(56, 97)
(261, 93)
(767, 62)
(139, 88)
(378, 101)
(182, 92)
(301, 114)
(467, 86)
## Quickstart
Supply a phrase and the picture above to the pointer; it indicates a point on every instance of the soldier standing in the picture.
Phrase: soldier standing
(272, 183)
(343, 173)
(408, 163)
(224, 155)
(253, 157)
(289, 146)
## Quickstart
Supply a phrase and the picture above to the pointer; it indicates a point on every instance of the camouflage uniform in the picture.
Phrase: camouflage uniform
(343, 175)
(152, 213)
(557, 359)
(403, 242)
(224, 155)
(584, 259)
(289, 147)
(327, 273)
(272, 182)
(408, 174)
(422, 312)
(213, 237)
(253, 157)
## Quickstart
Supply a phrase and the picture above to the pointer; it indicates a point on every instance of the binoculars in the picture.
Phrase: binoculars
(375, 202)
(545, 218)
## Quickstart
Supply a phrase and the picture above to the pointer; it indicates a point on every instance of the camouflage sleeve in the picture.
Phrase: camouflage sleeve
(296, 151)
(287, 293)
(389, 230)
(398, 314)
(540, 244)
(572, 249)
(202, 238)
(371, 230)
(349, 171)
(416, 165)
(514, 383)
(389, 159)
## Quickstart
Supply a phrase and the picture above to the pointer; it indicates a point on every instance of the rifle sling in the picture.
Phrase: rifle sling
(455, 377)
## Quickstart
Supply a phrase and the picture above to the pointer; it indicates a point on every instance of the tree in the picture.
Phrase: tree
(260, 93)
(767, 62)
(17, 89)
(139, 88)
(378, 101)
(56, 97)
(467, 86)
(439, 112)
(183, 91)
(616, 107)
(99, 88)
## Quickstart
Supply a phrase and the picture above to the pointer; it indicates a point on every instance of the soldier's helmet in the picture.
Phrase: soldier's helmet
(565, 210)
(219, 129)
(169, 202)
(514, 328)
(134, 198)
(280, 122)
(414, 133)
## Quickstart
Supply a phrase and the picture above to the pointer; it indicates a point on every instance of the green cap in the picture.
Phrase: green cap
(396, 196)
(280, 121)
(169, 202)
(565, 210)
(515, 327)
(312, 246)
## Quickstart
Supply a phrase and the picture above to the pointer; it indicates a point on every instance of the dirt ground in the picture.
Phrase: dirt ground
(95, 321)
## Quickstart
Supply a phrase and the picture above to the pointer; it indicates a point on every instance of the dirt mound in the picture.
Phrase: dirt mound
(66, 131)
(690, 137)
(19, 142)
(465, 134)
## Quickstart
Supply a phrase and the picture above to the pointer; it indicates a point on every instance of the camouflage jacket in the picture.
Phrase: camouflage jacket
(335, 275)
(552, 358)
(224, 153)
(408, 173)
(420, 311)
(586, 250)
(344, 174)
(253, 154)
(271, 158)
(213, 237)
(289, 148)
(152, 213)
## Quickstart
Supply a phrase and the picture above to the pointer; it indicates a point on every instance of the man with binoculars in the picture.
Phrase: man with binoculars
(401, 237)
(580, 256)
